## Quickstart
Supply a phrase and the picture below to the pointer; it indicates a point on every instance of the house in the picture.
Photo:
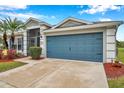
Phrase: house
(70, 39)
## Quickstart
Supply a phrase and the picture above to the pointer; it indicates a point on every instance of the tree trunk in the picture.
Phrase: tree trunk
(13, 39)
(5, 40)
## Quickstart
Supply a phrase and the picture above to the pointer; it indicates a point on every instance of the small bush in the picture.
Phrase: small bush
(4, 54)
(12, 54)
(35, 52)
(7, 54)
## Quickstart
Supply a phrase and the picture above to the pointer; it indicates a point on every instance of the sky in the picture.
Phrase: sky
(53, 14)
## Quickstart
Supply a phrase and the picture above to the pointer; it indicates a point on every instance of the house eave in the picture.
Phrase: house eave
(89, 26)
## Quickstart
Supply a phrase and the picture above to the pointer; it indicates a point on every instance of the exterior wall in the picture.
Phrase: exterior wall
(110, 44)
(42, 42)
(44, 46)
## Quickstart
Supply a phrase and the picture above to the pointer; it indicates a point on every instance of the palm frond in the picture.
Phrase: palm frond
(14, 24)
(3, 25)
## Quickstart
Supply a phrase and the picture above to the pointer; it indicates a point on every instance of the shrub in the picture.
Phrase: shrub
(35, 52)
(4, 54)
(7, 54)
(11, 53)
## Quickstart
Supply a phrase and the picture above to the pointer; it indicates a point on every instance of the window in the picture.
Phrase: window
(20, 43)
(33, 38)
(38, 41)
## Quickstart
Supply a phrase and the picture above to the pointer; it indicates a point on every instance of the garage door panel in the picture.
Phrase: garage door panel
(79, 47)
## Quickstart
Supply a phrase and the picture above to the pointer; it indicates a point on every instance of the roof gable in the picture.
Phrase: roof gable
(35, 22)
(31, 23)
(70, 22)
(32, 19)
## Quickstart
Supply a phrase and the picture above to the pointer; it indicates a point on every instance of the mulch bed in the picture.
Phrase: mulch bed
(38, 58)
(11, 60)
(20, 57)
(7, 60)
(113, 72)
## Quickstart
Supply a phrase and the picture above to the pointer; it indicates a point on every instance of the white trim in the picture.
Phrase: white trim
(94, 30)
(44, 46)
(104, 46)
(71, 18)
(32, 27)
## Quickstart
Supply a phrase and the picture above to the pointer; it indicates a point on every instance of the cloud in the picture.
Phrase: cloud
(25, 16)
(12, 7)
(53, 17)
(81, 6)
(99, 9)
(105, 19)
(22, 16)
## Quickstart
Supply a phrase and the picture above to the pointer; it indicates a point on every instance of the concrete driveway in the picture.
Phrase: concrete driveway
(56, 73)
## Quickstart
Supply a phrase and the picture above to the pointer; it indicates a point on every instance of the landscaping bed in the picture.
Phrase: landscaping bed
(112, 71)
(6, 60)
(115, 74)
(4, 66)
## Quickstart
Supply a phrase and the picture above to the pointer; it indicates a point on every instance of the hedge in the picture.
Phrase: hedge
(35, 52)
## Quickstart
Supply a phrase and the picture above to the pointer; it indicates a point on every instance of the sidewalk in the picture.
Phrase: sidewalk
(5, 85)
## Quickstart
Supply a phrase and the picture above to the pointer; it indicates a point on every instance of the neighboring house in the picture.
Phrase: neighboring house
(70, 39)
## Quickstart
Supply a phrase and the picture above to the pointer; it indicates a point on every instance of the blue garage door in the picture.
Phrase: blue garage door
(87, 47)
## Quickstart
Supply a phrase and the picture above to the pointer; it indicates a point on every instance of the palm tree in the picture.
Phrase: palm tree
(4, 29)
(14, 25)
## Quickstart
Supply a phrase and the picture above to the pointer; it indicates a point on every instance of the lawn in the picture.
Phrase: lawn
(118, 83)
(4, 66)
(120, 56)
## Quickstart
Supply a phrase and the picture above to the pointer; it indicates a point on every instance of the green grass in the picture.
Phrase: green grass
(117, 83)
(4, 66)
(120, 56)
